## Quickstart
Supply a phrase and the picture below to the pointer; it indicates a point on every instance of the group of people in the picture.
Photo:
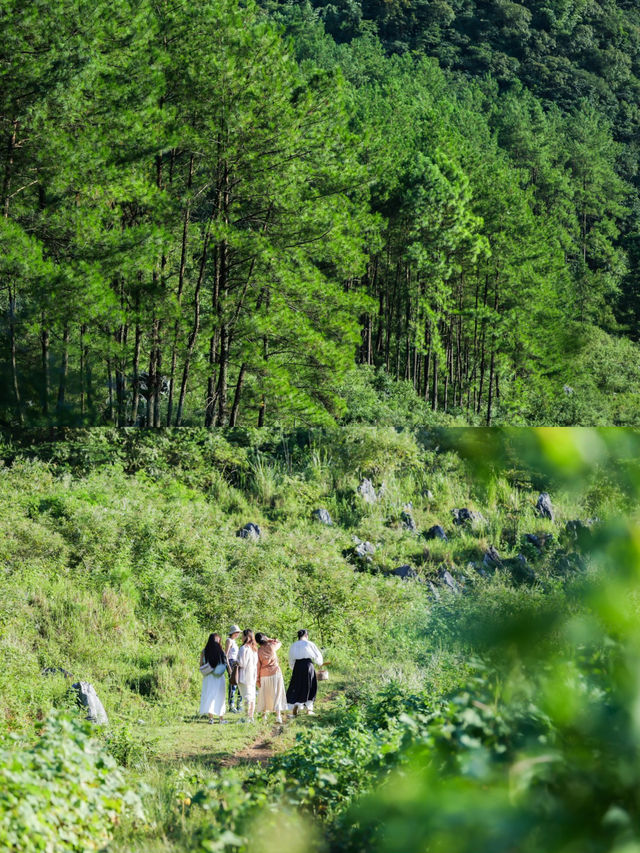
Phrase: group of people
(254, 668)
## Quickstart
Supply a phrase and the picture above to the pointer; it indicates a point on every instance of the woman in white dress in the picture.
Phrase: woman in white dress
(303, 686)
(214, 687)
(271, 696)
(248, 672)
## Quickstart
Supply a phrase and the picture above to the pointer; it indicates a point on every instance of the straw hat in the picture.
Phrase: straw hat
(234, 629)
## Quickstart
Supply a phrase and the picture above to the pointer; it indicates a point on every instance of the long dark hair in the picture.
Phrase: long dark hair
(249, 639)
(213, 651)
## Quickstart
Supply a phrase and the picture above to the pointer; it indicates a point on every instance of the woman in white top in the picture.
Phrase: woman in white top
(248, 671)
(303, 686)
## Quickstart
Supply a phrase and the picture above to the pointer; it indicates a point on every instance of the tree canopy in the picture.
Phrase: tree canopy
(215, 213)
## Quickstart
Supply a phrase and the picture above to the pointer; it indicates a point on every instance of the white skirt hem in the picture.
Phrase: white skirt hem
(213, 698)
(272, 696)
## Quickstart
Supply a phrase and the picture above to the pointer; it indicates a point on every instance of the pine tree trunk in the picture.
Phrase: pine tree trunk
(427, 360)
(110, 383)
(64, 369)
(193, 335)
(390, 316)
(121, 380)
(152, 374)
(14, 355)
(157, 387)
(135, 400)
(6, 187)
(482, 348)
(181, 272)
(6, 183)
(44, 346)
(83, 330)
(222, 388)
(233, 418)
(90, 396)
(490, 391)
(493, 353)
(472, 381)
(434, 400)
(210, 408)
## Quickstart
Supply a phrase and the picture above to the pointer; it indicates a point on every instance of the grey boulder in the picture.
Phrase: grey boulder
(464, 515)
(361, 554)
(538, 540)
(367, 491)
(249, 531)
(363, 549)
(407, 520)
(87, 697)
(322, 515)
(448, 580)
(436, 532)
(544, 507)
(405, 572)
(491, 558)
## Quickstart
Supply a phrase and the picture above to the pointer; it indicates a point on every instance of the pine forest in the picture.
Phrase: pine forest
(225, 213)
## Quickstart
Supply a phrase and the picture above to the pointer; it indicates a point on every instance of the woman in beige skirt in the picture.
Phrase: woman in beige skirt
(272, 696)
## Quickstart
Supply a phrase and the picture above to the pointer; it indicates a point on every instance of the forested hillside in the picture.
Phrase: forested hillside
(223, 214)
(484, 699)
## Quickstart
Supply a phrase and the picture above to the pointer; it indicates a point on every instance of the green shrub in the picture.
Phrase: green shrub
(64, 793)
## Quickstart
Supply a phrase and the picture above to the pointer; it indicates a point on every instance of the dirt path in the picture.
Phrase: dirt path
(259, 752)
(192, 741)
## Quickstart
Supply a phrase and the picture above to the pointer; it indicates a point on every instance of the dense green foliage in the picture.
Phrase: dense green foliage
(64, 793)
(207, 221)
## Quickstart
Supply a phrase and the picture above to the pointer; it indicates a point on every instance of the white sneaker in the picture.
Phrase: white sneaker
(311, 713)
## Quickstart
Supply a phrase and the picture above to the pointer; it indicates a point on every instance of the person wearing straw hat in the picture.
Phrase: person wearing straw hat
(231, 651)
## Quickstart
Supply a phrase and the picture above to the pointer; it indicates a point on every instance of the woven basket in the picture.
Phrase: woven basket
(322, 675)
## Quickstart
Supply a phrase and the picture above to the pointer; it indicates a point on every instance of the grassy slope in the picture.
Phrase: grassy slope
(118, 574)
(119, 577)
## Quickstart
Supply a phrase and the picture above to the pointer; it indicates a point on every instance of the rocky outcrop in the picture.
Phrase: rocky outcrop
(249, 531)
(405, 572)
(467, 516)
(322, 516)
(544, 507)
(361, 554)
(491, 559)
(367, 491)
(448, 580)
(436, 532)
(87, 697)
(406, 517)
